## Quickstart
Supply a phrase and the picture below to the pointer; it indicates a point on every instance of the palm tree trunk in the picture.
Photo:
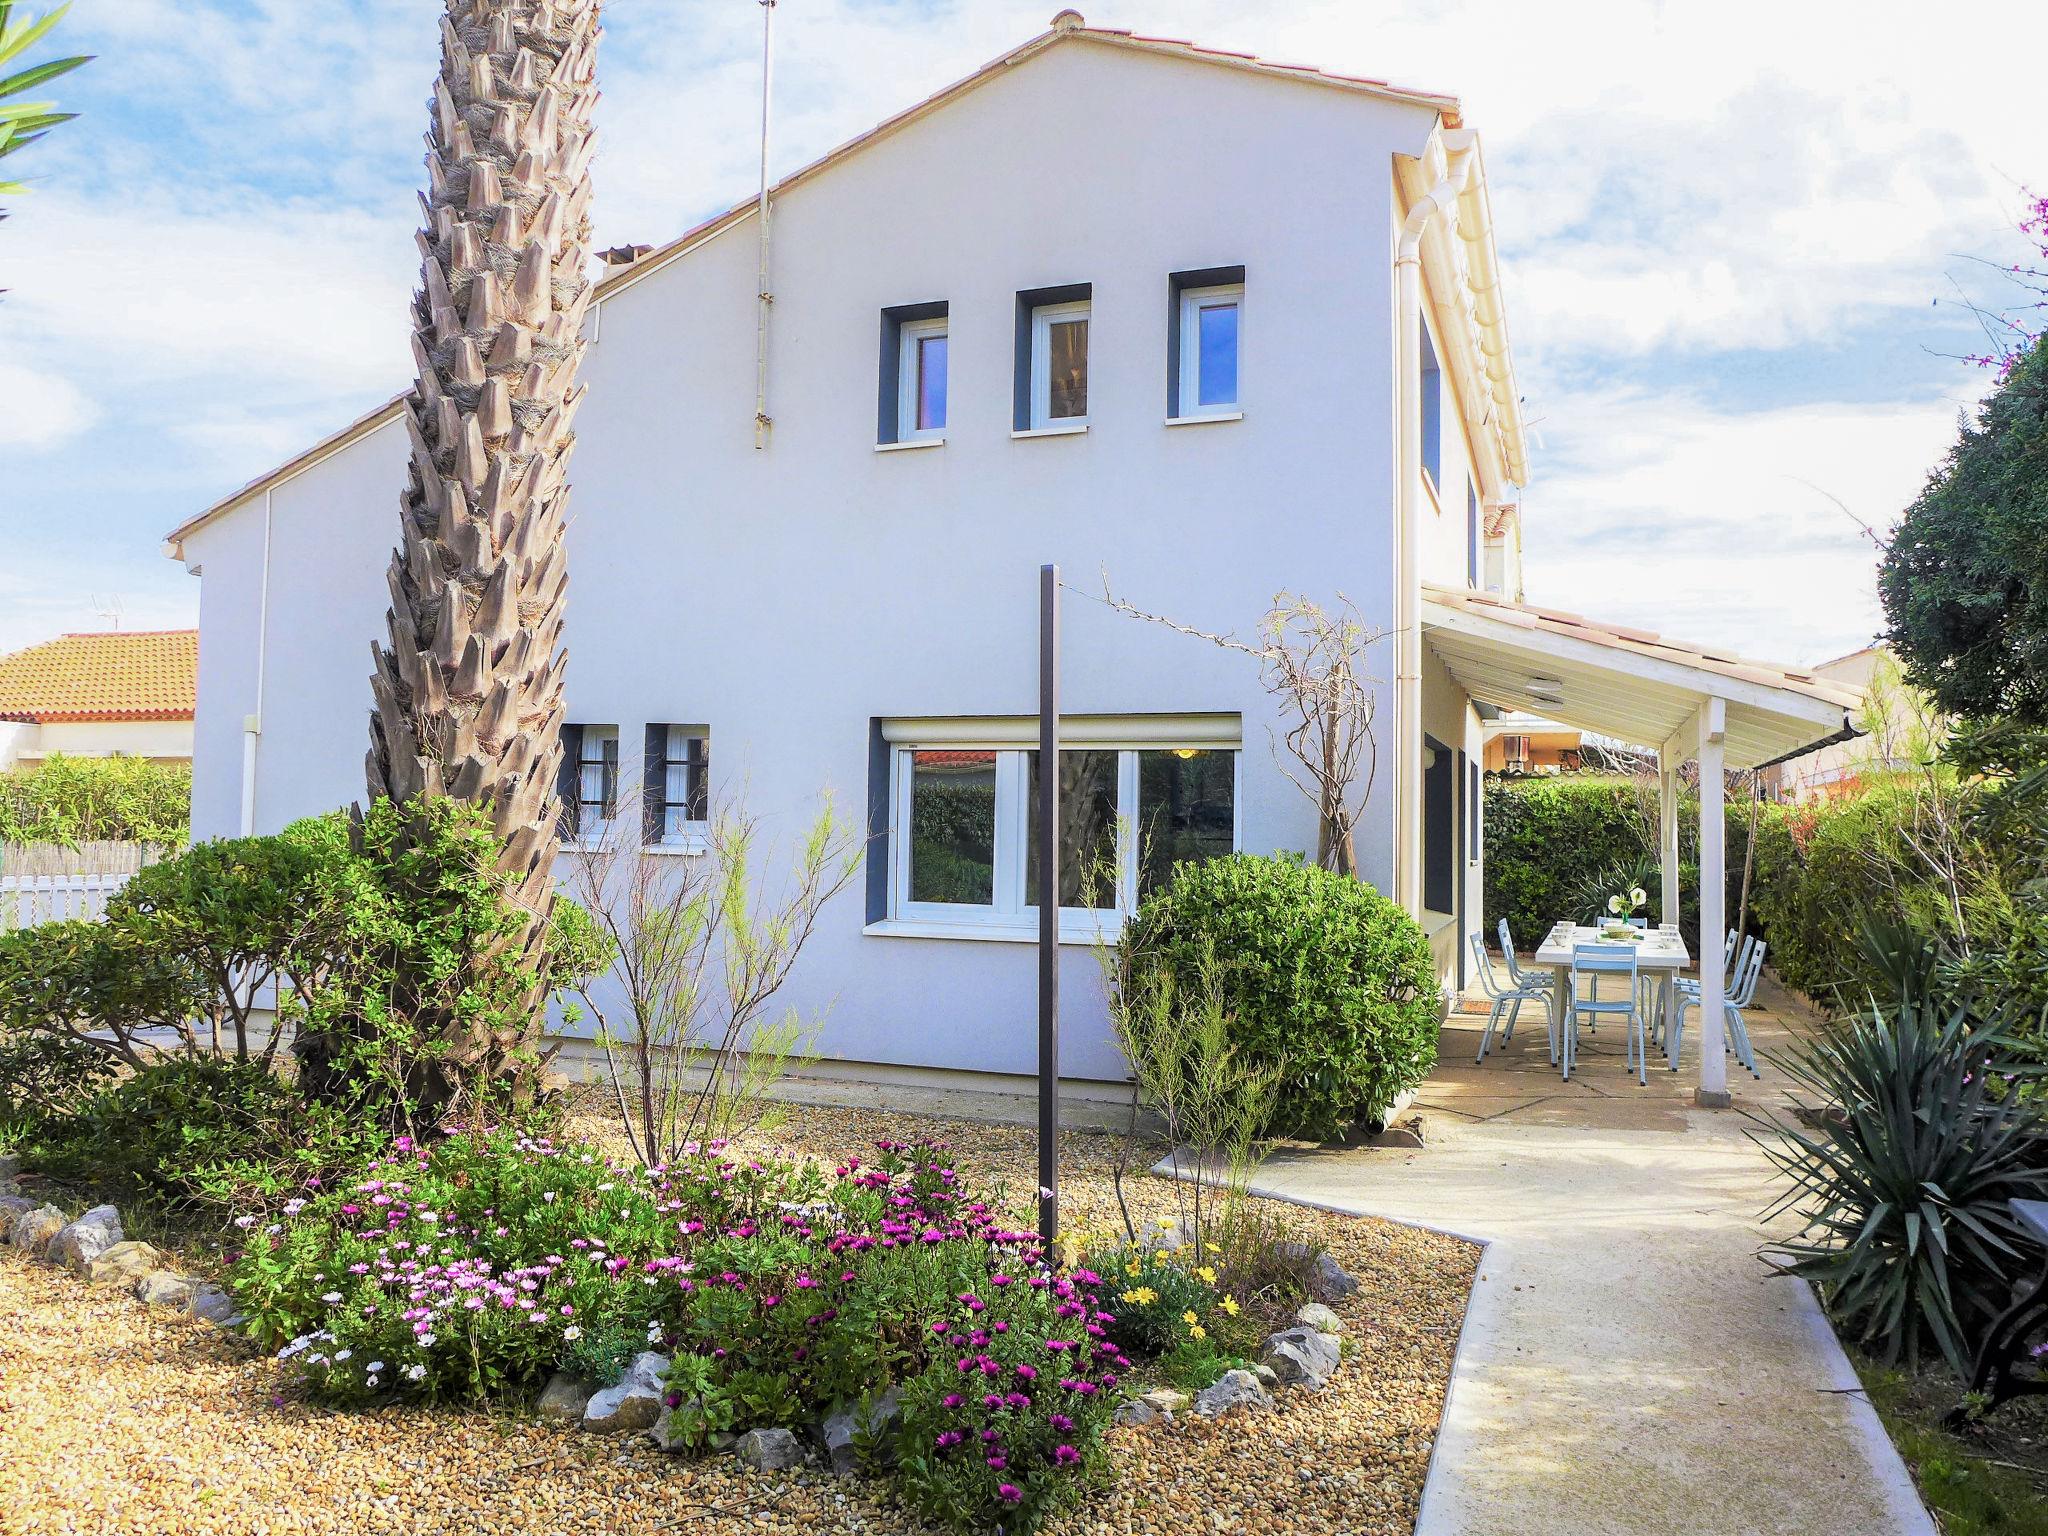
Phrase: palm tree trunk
(468, 694)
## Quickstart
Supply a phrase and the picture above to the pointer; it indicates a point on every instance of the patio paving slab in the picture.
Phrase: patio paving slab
(1629, 1365)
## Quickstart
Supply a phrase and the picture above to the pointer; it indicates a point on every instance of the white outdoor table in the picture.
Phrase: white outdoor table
(1659, 955)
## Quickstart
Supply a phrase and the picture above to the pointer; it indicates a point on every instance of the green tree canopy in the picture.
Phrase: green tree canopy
(1965, 581)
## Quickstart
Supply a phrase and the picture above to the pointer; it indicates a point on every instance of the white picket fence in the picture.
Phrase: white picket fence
(28, 900)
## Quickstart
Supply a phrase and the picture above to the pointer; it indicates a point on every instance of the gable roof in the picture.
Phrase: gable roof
(137, 674)
(1067, 25)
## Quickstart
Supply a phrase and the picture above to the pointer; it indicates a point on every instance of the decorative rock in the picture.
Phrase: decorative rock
(12, 1206)
(769, 1450)
(664, 1434)
(123, 1264)
(634, 1404)
(1268, 1377)
(1233, 1389)
(1136, 1413)
(1166, 1239)
(1328, 1282)
(216, 1306)
(841, 1432)
(1301, 1357)
(563, 1399)
(1168, 1400)
(10, 1165)
(1315, 1315)
(33, 1230)
(162, 1288)
(76, 1246)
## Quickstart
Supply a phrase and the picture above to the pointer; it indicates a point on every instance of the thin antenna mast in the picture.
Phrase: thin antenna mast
(763, 297)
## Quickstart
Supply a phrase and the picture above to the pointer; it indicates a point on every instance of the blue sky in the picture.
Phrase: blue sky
(1733, 239)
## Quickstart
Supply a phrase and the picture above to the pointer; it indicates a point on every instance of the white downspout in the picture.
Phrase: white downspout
(763, 297)
(252, 723)
(1441, 198)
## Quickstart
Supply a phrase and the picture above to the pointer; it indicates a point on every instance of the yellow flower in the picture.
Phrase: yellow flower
(1208, 1275)
(1198, 1332)
(1190, 1319)
(1230, 1306)
(1140, 1296)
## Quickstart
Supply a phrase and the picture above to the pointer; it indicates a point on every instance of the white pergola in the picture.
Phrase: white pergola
(1683, 701)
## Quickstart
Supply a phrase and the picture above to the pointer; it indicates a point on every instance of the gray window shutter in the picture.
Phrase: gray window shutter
(654, 785)
(566, 779)
(697, 781)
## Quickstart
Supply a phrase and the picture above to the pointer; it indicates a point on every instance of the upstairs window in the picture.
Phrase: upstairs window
(1059, 365)
(589, 783)
(1204, 336)
(913, 375)
(1052, 358)
(676, 798)
(1432, 410)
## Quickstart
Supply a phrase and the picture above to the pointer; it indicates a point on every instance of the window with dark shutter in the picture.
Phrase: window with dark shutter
(565, 781)
(678, 783)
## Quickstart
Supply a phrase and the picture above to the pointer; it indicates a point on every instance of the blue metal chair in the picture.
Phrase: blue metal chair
(1508, 999)
(1520, 977)
(1589, 962)
(1738, 994)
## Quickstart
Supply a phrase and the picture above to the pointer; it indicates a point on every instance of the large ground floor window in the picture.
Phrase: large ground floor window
(964, 818)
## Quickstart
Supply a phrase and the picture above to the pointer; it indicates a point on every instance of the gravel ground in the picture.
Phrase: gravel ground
(117, 1419)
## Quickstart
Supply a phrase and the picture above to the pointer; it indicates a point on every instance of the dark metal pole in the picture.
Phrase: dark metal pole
(1048, 904)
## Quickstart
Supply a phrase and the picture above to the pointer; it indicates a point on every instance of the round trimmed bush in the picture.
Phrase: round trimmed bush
(1326, 981)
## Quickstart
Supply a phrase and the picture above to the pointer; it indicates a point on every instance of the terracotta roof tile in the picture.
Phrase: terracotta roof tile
(122, 675)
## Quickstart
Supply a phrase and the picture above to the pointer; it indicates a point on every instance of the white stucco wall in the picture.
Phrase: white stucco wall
(790, 597)
(166, 740)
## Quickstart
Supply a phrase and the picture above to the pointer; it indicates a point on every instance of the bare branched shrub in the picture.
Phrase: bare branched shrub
(1313, 660)
(692, 1045)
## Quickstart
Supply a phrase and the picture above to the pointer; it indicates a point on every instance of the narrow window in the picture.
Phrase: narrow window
(1439, 826)
(913, 395)
(1059, 365)
(1186, 810)
(921, 380)
(677, 785)
(1472, 544)
(1209, 331)
(590, 780)
(1088, 831)
(1432, 410)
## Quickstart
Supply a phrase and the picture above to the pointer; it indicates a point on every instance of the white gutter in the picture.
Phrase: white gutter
(252, 724)
(1441, 198)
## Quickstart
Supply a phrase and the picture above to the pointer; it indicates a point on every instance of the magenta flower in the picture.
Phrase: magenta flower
(1009, 1493)
(1065, 1455)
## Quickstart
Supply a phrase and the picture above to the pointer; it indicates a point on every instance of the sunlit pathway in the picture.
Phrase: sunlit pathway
(1629, 1364)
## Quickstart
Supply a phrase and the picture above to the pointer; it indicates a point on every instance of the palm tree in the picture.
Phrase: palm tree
(23, 122)
(468, 694)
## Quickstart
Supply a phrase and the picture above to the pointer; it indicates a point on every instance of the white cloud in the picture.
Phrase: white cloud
(40, 410)
(1714, 525)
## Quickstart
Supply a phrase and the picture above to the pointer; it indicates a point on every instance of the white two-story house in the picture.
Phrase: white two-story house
(1200, 326)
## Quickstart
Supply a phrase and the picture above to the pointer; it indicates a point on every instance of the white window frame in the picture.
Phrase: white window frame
(680, 832)
(910, 335)
(593, 830)
(1011, 914)
(1193, 301)
(1043, 318)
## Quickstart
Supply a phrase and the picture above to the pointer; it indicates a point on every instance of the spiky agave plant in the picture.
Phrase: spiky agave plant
(1903, 1174)
(468, 693)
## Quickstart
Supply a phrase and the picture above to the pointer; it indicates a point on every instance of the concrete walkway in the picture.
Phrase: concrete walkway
(1628, 1364)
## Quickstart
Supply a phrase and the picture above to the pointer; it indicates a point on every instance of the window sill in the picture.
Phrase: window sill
(904, 444)
(1064, 429)
(1203, 421)
(679, 848)
(1071, 931)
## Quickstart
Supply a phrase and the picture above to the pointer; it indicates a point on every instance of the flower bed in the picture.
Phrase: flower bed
(781, 1292)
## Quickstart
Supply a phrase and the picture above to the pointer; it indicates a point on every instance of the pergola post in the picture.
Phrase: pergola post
(1667, 831)
(1712, 1092)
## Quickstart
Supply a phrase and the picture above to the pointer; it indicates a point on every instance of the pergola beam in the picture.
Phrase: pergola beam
(1712, 1092)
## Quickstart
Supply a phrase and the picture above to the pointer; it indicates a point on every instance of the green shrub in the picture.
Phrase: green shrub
(98, 985)
(1904, 1181)
(198, 1133)
(1326, 982)
(96, 799)
(45, 1077)
(1158, 1297)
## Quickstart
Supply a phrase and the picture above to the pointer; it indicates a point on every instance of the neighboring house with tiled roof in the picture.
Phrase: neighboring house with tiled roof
(119, 693)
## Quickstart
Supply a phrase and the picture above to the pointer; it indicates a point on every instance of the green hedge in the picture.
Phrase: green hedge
(96, 799)
(1556, 847)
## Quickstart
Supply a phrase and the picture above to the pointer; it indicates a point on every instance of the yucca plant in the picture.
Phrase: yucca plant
(1903, 1174)
(23, 122)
